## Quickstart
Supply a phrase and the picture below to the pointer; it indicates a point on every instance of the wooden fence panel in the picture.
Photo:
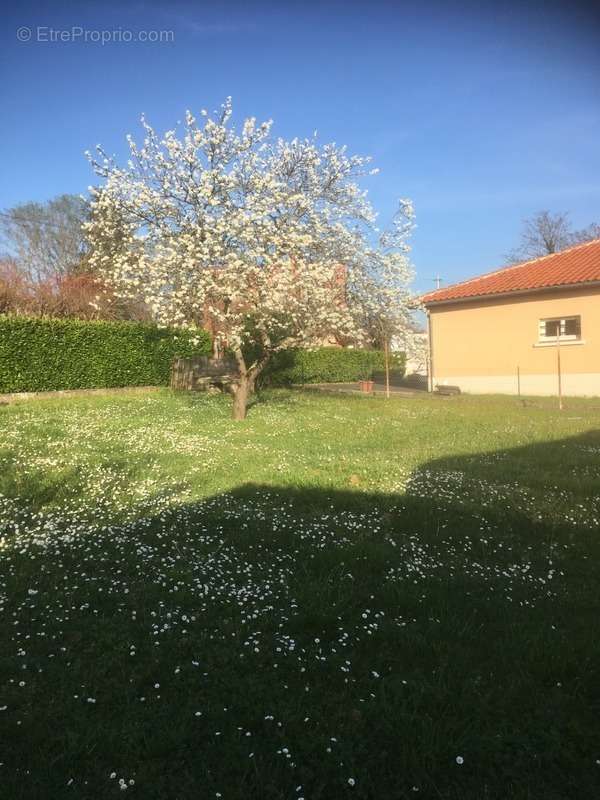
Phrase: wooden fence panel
(194, 373)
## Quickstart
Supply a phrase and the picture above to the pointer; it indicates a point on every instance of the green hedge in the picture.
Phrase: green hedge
(39, 354)
(328, 365)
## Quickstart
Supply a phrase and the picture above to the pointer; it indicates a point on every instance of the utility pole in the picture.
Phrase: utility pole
(560, 399)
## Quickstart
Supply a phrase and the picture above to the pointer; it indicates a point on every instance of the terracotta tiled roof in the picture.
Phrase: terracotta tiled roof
(579, 264)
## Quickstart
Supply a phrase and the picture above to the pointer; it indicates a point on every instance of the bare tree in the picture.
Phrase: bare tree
(546, 233)
(46, 270)
(46, 239)
(587, 234)
(542, 234)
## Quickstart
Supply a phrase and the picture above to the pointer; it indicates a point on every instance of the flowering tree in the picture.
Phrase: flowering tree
(267, 242)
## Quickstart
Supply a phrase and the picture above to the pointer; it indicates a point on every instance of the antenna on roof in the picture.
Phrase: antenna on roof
(438, 280)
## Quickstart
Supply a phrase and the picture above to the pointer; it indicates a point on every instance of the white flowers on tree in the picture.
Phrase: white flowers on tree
(266, 242)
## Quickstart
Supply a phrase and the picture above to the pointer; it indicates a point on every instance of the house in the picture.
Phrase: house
(415, 346)
(513, 330)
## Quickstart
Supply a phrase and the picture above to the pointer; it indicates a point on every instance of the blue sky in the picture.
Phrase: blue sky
(482, 113)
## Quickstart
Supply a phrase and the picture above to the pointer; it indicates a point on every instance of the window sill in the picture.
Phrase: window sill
(565, 343)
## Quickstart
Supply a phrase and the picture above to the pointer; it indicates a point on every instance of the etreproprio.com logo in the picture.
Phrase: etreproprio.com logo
(78, 34)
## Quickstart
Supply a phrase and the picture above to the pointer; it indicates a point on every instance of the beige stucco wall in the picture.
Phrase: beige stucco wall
(479, 345)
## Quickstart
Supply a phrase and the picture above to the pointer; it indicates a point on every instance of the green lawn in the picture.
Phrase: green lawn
(341, 597)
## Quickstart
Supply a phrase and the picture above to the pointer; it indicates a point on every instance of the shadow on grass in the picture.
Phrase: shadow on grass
(369, 636)
(38, 488)
(571, 464)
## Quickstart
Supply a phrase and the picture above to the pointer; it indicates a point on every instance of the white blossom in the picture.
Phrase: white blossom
(267, 242)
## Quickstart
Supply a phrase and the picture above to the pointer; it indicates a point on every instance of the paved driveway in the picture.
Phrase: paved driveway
(378, 388)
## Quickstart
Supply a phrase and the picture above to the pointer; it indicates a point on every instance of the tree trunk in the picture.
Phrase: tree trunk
(245, 386)
(240, 398)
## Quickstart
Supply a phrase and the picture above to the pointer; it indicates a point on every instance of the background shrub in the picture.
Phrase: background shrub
(41, 354)
(329, 365)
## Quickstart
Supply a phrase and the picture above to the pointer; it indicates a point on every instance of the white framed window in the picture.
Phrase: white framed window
(569, 329)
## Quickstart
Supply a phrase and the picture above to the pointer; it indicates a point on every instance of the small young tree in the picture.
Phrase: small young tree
(267, 242)
(15, 290)
(384, 296)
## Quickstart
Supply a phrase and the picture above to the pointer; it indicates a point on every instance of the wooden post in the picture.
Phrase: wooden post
(430, 352)
(386, 358)
(560, 400)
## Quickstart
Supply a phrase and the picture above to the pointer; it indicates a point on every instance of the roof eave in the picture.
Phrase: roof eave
(515, 293)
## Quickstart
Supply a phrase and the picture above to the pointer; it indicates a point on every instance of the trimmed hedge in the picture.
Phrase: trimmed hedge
(40, 354)
(329, 365)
